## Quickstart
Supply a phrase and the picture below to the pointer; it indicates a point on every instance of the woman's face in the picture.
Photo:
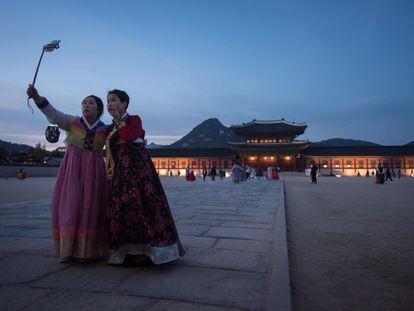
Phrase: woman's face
(90, 108)
(116, 108)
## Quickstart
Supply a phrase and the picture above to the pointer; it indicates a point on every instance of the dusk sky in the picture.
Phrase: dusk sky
(346, 68)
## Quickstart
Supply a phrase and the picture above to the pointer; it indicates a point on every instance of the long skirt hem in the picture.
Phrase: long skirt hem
(158, 255)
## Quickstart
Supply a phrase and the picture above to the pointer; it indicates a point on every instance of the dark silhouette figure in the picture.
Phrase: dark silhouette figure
(204, 173)
(388, 174)
(313, 173)
(213, 173)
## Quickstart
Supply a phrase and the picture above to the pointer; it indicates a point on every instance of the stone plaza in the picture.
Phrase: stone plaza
(350, 247)
(226, 229)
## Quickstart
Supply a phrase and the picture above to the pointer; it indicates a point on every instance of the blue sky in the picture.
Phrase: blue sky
(346, 68)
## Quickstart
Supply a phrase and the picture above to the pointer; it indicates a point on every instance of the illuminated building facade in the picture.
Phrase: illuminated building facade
(265, 143)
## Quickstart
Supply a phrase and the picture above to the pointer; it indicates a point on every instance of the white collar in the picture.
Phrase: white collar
(91, 126)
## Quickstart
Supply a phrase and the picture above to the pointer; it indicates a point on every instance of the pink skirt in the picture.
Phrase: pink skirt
(79, 206)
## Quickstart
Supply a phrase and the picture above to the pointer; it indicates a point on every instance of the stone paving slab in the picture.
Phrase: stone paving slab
(213, 286)
(227, 230)
(225, 259)
(15, 298)
(24, 269)
(93, 277)
(64, 300)
(240, 233)
(168, 305)
(244, 245)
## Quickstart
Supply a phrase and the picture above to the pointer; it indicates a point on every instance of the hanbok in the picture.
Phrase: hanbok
(79, 199)
(140, 220)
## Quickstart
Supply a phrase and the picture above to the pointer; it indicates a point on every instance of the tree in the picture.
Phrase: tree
(39, 153)
(3, 154)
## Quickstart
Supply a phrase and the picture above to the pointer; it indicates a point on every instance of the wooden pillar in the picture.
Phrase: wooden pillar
(405, 167)
(330, 163)
(343, 165)
(367, 163)
(355, 166)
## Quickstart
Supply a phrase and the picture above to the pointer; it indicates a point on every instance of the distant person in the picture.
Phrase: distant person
(412, 173)
(80, 229)
(275, 175)
(367, 173)
(269, 173)
(393, 174)
(222, 173)
(178, 173)
(21, 174)
(388, 174)
(213, 173)
(191, 176)
(243, 172)
(204, 173)
(252, 173)
(314, 171)
(381, 176)
(236, 173)
(187, 173)
(359, 174)
(399, 173)
(248, 172)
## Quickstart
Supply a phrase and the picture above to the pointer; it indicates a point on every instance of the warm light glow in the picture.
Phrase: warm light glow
(325, 165)
(348, 165)
(287, 158)
(265, 158)
(337, 165)
(252, 158)
(271, 158)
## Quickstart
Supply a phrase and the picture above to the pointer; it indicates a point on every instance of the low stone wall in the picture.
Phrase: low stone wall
(31, 170)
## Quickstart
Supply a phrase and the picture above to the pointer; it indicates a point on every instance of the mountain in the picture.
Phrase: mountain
(209, 134)
(342, 142)
(11, 147)
(411, 143)
(154, 146)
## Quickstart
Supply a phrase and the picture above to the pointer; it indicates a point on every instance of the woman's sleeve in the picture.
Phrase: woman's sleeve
(132, 130)
(55, 116)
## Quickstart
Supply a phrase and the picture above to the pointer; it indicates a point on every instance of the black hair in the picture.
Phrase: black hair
(123, 96)
(99, 102)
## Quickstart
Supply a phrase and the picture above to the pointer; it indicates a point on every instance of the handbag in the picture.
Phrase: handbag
(52, 133)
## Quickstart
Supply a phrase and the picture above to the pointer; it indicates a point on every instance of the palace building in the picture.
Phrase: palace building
(274, 143)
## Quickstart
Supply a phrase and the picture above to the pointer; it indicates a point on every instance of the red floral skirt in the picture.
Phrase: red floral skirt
(139, 216)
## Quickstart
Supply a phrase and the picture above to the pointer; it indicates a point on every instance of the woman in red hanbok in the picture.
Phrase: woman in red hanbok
(140, 220)
(275, 175)
(191, 176)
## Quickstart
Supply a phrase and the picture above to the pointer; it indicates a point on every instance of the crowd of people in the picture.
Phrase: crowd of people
(239, 173)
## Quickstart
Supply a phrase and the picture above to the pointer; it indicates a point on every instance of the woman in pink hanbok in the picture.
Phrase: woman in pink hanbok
(79, 200)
